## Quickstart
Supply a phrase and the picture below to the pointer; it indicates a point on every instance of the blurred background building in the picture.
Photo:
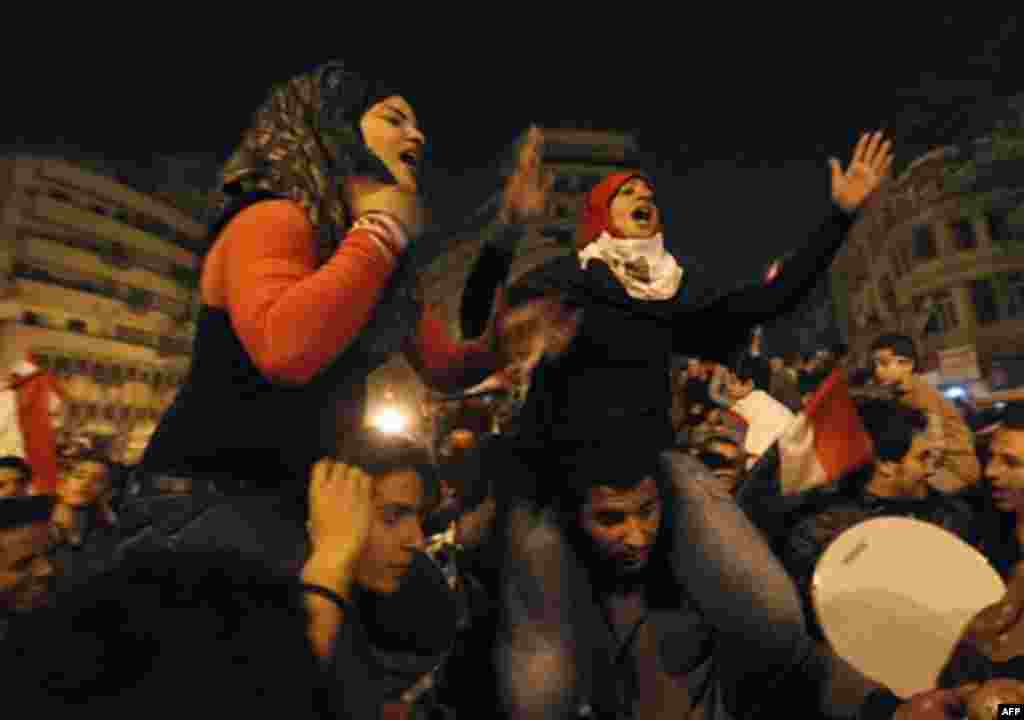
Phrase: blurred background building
(937, 255)
(106, 276)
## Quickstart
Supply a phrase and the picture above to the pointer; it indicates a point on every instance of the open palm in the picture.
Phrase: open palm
(872, 162)
(526, 193)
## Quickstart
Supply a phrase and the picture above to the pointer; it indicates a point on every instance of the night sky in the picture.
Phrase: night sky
(736, 114)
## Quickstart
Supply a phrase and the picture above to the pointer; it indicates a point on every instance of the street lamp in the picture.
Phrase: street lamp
(391, 420)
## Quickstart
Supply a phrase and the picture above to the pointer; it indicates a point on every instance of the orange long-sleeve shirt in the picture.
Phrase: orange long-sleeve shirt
(294, 318)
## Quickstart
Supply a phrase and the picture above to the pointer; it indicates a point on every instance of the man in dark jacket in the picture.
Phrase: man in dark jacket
(646, 590)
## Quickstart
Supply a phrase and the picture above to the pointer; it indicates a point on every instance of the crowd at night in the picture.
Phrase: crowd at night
(714, 428)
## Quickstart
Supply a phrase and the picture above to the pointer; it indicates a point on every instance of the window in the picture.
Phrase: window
(943, 313)
(963, 235)
(889, 294)
(898, 262)
(986, 307)
(77, 326)
(1015, 296)
(924, 243)
(564, 237)
(999, 228)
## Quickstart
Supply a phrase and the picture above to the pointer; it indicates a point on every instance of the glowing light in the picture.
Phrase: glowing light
(955, 392)
(391, 420)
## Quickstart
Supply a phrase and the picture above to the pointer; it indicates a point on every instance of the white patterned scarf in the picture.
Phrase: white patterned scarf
(642, 265)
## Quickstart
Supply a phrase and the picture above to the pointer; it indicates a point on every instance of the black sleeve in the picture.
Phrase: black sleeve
(881, 704)
(759, 303)
(488, 274)
(353, 692)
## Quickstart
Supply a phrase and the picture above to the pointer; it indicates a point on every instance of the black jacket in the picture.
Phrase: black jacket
(614, 381)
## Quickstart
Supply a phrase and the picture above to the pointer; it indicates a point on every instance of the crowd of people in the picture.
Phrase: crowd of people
(588, 532)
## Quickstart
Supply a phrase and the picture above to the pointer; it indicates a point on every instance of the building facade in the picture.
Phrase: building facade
(918, 263)
(107, 288)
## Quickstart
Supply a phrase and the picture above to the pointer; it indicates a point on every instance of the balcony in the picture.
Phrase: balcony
(162, 344)
(167, 345)
(73, 279)
(105, 227)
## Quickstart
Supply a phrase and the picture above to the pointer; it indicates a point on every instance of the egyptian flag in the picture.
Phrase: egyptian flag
(826, 440)
(27, 405)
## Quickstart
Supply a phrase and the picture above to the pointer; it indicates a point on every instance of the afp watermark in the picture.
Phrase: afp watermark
(1010, 710)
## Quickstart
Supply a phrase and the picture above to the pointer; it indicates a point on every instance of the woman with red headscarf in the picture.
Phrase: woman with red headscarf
(640, 306)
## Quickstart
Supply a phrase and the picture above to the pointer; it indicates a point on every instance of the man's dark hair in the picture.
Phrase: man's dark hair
(1013, 416)
(840, 349)
(173, 631)
(808, 382)
(892, 427)
(714, 460)
(723, 440)
(463, 470)
(621, 466)
(901, 345)
(16, 463)
(16, 512)
(379, 453)
(750, 367)
(95, 454)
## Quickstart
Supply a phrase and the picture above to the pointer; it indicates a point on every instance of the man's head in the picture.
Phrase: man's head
(809, 383)
(15, 476)
(907, 455)
(895, 359)
(694, 368)
(405, 487)
(750, 373)
(86, 482)
(615, 500)
(26, 575)
(1005, 469)
(725, 457)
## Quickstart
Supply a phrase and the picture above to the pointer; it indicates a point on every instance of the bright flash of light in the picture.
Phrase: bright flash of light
(391, 420)
(955, 392)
